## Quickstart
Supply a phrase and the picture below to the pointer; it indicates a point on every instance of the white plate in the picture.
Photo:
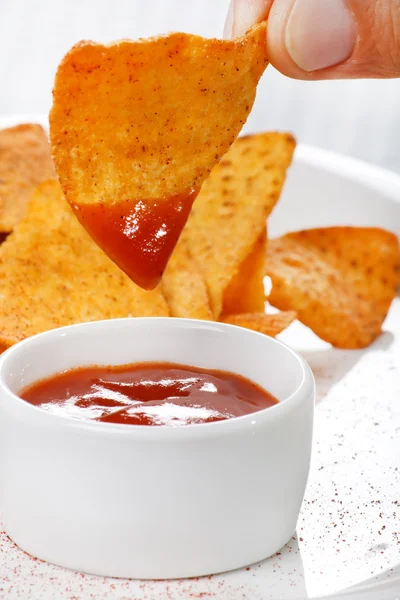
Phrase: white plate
(348, 536)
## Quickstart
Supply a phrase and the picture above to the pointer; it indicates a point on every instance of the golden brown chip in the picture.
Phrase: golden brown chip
(229, 216)
(267, 324)
(25, 161)
(340, 280)
(183, 285)
(53, 274)
(138, 125)
(245, 293)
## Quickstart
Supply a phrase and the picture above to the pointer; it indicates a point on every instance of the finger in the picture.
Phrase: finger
(325, 39)
(335, 39)
(242, 14)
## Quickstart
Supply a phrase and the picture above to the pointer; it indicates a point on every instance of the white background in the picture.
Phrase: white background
(358, 118)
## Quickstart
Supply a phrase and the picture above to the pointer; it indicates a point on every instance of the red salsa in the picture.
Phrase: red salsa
(139, 236)
(148, 394)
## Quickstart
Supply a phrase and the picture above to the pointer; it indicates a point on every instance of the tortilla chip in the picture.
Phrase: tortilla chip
(229, 216)
(184, 287)
(25, 161)
(53, 274)
(185, 290)
(138, 126)
(267, 324)
(340, 280)
(245, 293)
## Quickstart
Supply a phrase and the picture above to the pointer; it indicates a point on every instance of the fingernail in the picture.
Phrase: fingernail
(320, 33)
(228, 27)
(243, 14)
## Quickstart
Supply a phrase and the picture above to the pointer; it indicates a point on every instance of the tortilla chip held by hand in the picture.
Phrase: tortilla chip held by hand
(25, 161)
(53, 274)
(137, 126)
(340, 280)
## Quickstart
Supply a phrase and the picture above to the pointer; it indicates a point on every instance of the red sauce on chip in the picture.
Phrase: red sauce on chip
(138, 235)
(148, 394)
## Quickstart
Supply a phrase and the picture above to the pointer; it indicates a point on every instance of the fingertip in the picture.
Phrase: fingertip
(243, 14)
(320, 35)
(278, 54)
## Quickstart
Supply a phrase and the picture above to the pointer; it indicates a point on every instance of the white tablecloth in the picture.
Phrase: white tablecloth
(359, 118)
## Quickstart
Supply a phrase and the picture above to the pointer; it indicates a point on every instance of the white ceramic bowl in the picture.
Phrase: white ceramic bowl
(154, 502)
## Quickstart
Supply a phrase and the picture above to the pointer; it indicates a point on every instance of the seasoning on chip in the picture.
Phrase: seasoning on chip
(53, 274)
(25, 161)
(136, 127)
(227, 227)
(340, 280)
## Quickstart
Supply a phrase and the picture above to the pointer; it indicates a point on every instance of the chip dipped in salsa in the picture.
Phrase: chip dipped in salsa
(136, 127)
(148, 394)
(139, 236)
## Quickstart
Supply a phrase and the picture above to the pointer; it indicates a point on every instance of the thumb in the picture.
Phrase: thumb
(328, 39)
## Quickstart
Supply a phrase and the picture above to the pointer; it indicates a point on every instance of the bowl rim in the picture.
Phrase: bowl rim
(300, 393)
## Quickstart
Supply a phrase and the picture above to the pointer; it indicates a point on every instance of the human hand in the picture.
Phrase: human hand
(325, 39)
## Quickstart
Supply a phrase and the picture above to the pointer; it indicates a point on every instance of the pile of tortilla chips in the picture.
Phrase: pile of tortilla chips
(338, 281)
(170, 109)
(53, 274)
